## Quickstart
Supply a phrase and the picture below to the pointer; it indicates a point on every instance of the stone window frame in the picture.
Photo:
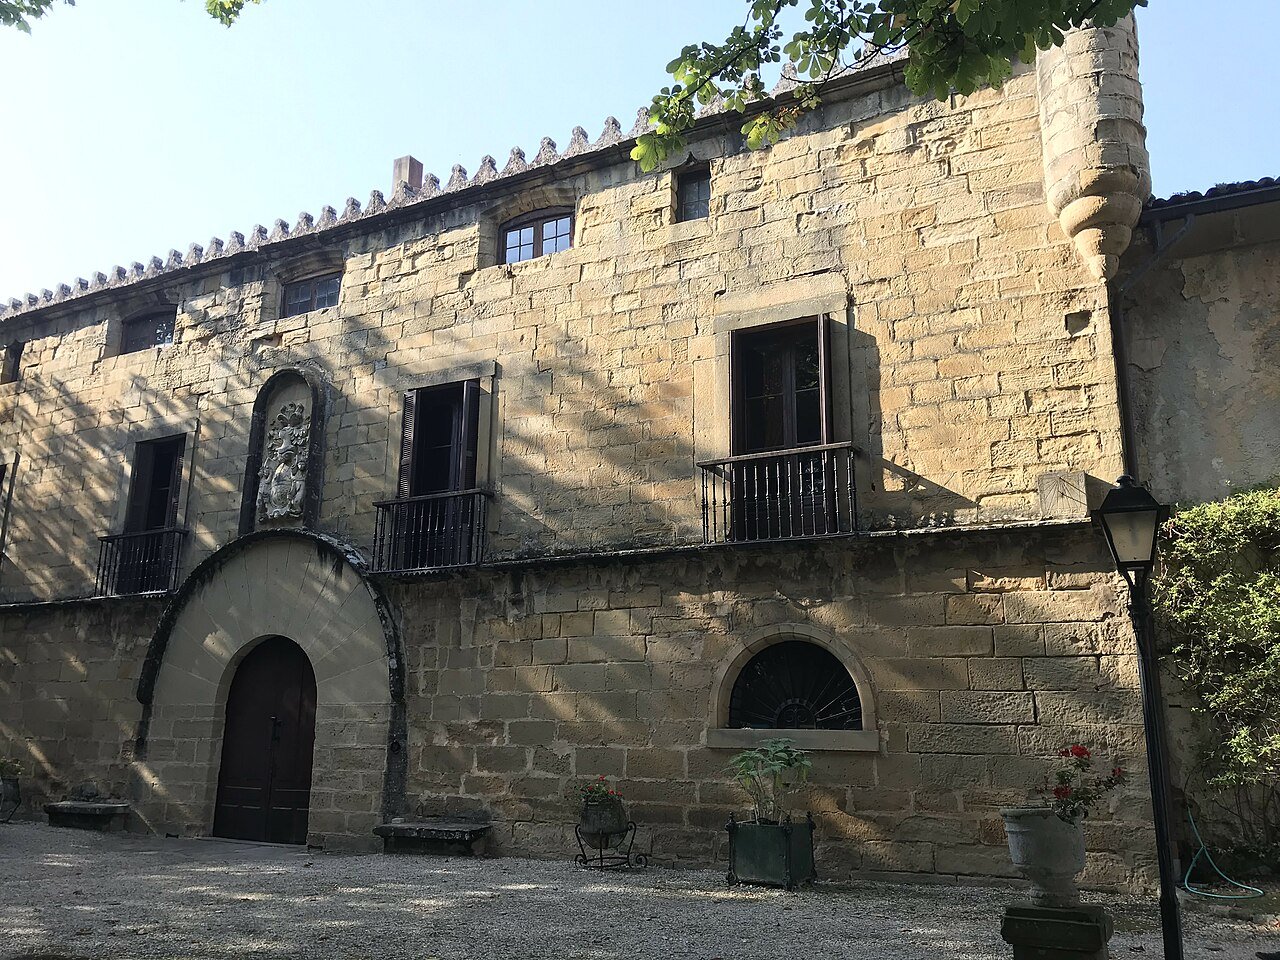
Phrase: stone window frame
(788, 300)
(721, 736)
(308, 266)
(134, 308)
(494, 219)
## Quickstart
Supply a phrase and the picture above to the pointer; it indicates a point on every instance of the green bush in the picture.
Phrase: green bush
(1218, 597)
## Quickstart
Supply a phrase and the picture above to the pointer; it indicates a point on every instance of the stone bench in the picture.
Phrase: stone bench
(88, 814)
(433, 835)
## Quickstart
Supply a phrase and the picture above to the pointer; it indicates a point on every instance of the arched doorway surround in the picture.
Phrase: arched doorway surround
(312, 590)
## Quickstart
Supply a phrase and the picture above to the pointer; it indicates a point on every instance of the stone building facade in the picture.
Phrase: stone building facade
(622, 520)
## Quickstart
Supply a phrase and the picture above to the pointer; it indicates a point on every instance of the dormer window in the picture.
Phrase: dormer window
(147, 330)
(314, 293)
(537, 233)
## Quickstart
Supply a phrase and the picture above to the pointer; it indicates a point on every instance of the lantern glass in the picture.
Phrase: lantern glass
(1132, 536)
(1131, 517)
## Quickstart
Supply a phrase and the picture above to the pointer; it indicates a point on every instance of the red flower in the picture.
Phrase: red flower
(1118, 772)
(1062, 792)
(1064, 752)
(1079, 751)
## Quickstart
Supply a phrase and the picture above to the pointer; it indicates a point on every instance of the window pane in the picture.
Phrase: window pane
(327, 292)
(693, 195)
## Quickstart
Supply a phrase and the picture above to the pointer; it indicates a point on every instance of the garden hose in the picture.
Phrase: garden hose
(1253, 893)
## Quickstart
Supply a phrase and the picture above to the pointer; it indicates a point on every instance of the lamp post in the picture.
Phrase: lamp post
(1130, 518)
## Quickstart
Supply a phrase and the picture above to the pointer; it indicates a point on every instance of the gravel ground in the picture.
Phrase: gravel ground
(70, 894)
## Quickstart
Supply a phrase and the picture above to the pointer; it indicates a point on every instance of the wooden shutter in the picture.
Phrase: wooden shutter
(468, 440)
(404, 488)
(175, 482)
(139, 487)
(824, 375)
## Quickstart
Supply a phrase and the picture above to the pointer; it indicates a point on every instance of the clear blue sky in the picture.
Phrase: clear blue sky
(128, 127)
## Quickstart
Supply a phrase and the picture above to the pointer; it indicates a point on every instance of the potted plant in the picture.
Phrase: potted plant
(1046, 842)
(772, 849)
(10, 794)
(602, 815)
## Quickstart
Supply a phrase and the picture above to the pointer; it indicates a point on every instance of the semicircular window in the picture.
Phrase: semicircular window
(795, 685)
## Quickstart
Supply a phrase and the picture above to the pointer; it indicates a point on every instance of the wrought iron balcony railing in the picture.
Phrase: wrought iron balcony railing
(430, 532)
(145, 562)
(779, 495)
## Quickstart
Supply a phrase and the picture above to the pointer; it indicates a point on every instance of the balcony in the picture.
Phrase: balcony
(432, 532)
(780, 495)
(133, 563)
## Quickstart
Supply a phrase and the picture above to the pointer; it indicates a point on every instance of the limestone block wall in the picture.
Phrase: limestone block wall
(973, 358)
(1203, 331)
(68, 710)
(986, 654)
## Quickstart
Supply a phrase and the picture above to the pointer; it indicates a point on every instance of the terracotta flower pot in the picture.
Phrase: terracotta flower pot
(1048, 851)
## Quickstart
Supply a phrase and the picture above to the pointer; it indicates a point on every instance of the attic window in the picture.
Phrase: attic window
(537, 233)
(693, 194)
(147, 330)
(314, 293)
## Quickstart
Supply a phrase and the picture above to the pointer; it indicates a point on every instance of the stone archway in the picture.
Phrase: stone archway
(311, 590)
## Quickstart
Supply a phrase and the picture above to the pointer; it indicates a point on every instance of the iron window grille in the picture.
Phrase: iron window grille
(314, 293)
(693, 194)
(536, 234)
(148, 330)
(795, 685)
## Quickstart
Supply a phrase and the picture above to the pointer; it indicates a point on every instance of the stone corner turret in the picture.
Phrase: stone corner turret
(1096, 169)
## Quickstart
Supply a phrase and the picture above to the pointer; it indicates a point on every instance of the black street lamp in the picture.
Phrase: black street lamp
(1130, 518)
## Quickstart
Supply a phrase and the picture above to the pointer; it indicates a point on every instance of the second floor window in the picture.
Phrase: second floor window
(438, 439)
(538, 233)
(303, 296)
(148, 330)
(154, 486)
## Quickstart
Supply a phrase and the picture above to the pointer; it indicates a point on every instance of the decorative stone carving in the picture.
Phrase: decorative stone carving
(282, 481)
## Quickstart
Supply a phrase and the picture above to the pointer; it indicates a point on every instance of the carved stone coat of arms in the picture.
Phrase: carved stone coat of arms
(282, 483)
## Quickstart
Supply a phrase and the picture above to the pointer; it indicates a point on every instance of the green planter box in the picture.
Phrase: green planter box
(771, 854)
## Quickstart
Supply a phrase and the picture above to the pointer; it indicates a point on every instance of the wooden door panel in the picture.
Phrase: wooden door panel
(264, 784)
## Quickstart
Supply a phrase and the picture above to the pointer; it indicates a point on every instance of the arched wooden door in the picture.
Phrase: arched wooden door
(264, 783)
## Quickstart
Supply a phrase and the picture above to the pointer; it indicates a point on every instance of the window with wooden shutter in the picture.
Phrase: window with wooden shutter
(155, 485)
(781, 394)
(437, 518)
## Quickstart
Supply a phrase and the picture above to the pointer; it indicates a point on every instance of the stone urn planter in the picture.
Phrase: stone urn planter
(1048, 851)
(603, 821)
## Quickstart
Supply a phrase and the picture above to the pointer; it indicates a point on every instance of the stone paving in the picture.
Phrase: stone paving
(70, 894)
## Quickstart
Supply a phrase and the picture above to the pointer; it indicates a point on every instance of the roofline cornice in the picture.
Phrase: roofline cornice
(406, 206)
